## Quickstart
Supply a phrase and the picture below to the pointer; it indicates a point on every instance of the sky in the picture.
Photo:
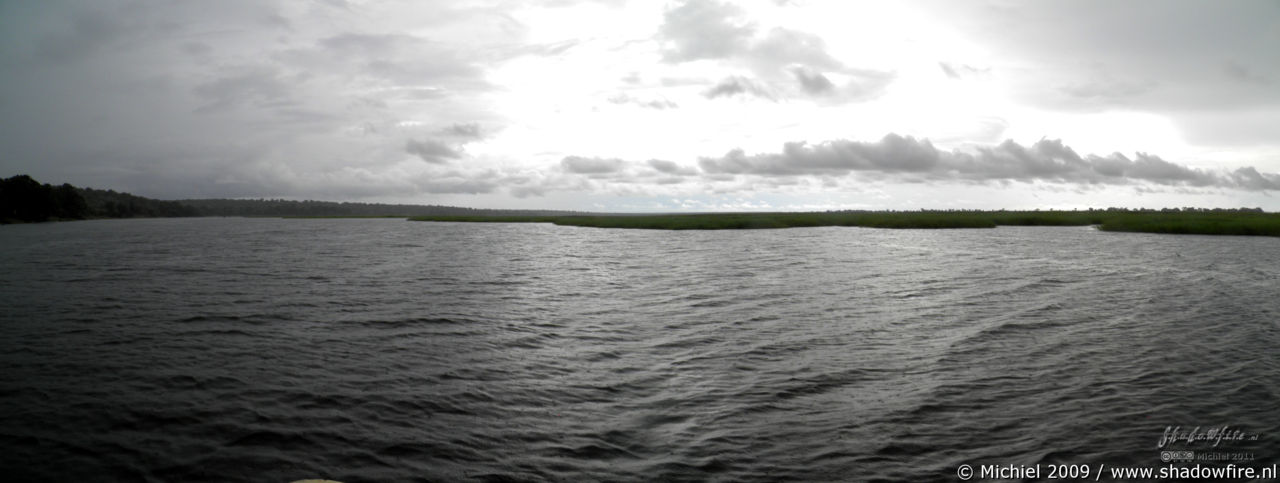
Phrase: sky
(651, 106)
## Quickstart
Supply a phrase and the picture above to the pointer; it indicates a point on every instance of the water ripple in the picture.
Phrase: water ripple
(380, 350)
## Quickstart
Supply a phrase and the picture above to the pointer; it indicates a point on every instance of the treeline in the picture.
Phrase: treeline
(113, 204)
(276, 207)
(25, 200)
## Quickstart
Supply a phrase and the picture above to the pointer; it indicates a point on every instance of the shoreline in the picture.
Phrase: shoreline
(1236, 223)
(1222, 222)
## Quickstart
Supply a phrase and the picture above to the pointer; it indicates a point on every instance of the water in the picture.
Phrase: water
(386, 350)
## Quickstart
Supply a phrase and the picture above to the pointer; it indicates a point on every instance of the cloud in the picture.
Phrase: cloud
(262, 85)
(373, 99)
(910, 159)
(1108, 89)
(711, 30)
(84, 33)
(704, 29)
(431, 151)
(738, 85)
(551, 49)
(663, 166)
(782, 62)
(1177, 57)
(581, 165)
(659, 104)
(670, 167)
(393, 60)
(961, 71)
(895, 159)
(1240, 73)
(812, 82)
(171, 99)
(197, 49)
(464, 131)
(867, 84)
(891, 154)
(458, 185)
(1250, 179)
(783, 47)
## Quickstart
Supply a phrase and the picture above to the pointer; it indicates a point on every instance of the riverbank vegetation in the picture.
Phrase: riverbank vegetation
(332, 209)
(1177, 221)
(23, 199)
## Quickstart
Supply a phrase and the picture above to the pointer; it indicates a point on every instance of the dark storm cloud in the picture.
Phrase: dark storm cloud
(262, 85)
(88, 32)
(62, 33)
(398, 59)
(347, 182)
(918, 159)
(176, 99)
(431, 151)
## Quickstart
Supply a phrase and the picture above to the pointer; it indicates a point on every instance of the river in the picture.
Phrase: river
(242, 349)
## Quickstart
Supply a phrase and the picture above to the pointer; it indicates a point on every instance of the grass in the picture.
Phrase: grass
(1198, 223)
(1186, 222)
(305, 217)
(738, 221)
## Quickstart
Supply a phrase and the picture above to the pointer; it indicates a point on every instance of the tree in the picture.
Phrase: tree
(25, 199)
(68, 204)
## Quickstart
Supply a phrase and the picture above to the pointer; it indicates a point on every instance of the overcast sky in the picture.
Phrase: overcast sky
(651, 106)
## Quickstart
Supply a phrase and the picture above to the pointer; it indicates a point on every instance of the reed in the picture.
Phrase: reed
(1211, 223)
(1179, 222)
